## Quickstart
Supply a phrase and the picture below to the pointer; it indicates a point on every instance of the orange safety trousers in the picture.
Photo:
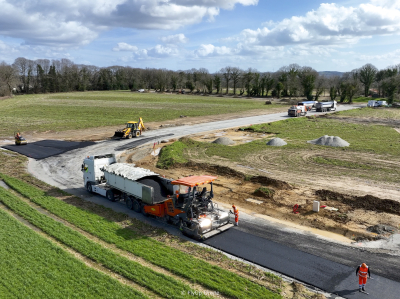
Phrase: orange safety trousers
(362, 280)
(236, 212)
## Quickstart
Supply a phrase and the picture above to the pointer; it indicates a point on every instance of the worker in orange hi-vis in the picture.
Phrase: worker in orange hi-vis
(362, 272)
(236, 213)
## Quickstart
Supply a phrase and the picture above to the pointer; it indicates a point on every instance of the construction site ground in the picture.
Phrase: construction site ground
(349, 223)
(235, 184)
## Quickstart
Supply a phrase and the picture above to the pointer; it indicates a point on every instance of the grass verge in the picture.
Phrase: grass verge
(159, 283)
(33, 267)
(193, 269)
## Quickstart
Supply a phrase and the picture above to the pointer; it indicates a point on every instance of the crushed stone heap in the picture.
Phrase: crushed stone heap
(224, 141)
(330, 141)
(128, 171)
(277, 142)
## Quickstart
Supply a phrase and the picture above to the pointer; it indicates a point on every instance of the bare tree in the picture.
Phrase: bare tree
(227, 74)
(307, 76)
(8, 79)
(367, 75)
(235, 75)
(319, 87)
(217, 82)
(269, 82)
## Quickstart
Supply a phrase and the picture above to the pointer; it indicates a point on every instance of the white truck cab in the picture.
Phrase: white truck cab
(92, 175)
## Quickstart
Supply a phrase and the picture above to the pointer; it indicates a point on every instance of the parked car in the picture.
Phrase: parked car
(140, 90)
(374, 103)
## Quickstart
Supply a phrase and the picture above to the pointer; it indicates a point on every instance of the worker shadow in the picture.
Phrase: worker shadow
(344, 293)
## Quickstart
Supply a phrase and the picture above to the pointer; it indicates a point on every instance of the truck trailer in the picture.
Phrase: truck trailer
(326, 106)
(186, 202)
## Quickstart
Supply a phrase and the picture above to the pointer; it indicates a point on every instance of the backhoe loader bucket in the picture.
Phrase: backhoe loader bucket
(118, 134)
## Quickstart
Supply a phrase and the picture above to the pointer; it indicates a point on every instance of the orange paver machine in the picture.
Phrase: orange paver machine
(186, 202)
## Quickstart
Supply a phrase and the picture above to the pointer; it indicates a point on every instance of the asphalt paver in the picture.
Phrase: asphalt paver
(311, 269)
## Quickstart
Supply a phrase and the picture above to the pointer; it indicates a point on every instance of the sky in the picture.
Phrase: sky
(183, 34)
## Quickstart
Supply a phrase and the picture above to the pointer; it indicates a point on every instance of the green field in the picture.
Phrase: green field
(373, 154)
(80, 110)
(381, 113)
(33, 267)
(366, 138)
(195, 270)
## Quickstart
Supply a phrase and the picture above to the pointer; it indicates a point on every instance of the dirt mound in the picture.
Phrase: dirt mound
(276, 142)
(381, 229)
(224, 141)
(367, 202)
(330, 141)
(227, 171)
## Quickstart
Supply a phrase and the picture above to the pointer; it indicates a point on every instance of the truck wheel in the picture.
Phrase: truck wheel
(129, 203)
(136, 206)
(89, 187)
(144, 212)
(110, 195)
(137, 134)
(129, 136)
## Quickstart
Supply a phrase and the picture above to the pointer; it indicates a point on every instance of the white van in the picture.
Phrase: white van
(374, 103)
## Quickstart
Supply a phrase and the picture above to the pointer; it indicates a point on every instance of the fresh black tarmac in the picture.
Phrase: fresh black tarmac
(313, 270)
(46, 148)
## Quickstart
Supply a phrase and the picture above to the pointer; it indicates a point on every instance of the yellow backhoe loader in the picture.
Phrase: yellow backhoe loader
(132, 129)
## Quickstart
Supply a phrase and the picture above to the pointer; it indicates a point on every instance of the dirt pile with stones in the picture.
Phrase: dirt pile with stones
(330, 141)
(276, 142)
(224, 141)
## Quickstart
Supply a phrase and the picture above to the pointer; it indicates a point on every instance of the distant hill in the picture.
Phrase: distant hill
(331, 74)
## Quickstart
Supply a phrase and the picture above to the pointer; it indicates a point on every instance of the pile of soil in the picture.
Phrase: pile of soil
(276, 142)
(367, 202)
(330, 141)
(224, 141)
(381, 229)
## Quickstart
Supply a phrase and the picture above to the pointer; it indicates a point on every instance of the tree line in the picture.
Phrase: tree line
(45, 76)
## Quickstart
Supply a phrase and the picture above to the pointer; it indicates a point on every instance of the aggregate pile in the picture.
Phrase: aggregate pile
(330, 141)
(128, 171)
(224, 141)
(276, 142)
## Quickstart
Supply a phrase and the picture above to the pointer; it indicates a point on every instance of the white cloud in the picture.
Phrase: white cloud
(174, 39)
(390, 56)
(330, 24)
(211, 50)
(78, 22)
(159, 51)
(125, 47)
(162, 51)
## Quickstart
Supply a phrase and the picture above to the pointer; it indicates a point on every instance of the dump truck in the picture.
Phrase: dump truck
(19, 140)
(297, 111)
(132, 129)
(186, 202)
(326, 106)
(308, 104)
